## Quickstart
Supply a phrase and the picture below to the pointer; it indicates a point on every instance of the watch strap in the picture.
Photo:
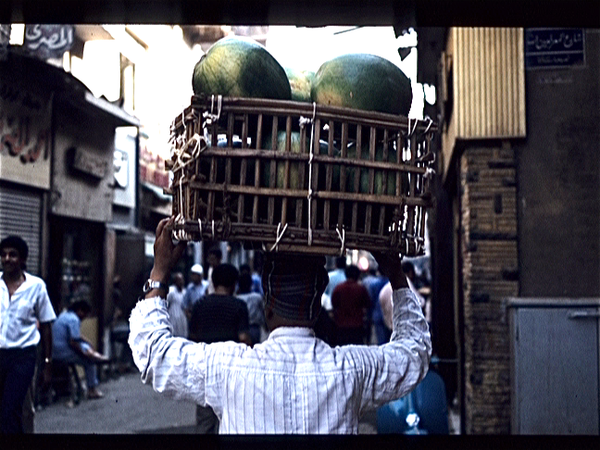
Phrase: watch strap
(153, 284)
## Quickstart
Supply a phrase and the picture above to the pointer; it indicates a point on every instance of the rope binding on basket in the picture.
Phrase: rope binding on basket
(211, 117)
(342, 238)
(303, 122)
(280, 233)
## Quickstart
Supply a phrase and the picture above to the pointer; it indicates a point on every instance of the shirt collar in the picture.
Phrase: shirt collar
(292, 332)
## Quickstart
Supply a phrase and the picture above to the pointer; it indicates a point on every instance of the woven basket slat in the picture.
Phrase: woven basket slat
(221, 194)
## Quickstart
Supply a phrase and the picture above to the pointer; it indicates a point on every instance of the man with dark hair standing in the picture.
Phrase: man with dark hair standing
(350, 301)
(218, 317)
(213, 259)
(24, 303)
(70, 346)
(293, 382)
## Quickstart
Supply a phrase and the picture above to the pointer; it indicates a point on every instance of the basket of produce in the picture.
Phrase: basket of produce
(317, 171)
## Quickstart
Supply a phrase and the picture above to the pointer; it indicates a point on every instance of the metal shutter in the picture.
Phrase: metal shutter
(20, 214)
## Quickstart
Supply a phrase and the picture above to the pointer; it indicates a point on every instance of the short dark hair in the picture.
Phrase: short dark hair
(225, 275)
(80, 305)
(407, 267)
(245, 268)
(18, 244)
(216, 251)
(352, 272)
(340, 262)
(245, 283)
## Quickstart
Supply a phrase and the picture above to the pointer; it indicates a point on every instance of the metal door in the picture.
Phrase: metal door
(20, 214)
(555, 365)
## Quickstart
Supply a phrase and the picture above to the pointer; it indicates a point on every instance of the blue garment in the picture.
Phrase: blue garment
(66, 327)
(374, 285)
(336, 277)
(193, 293)
(257, 284)
(17, 366)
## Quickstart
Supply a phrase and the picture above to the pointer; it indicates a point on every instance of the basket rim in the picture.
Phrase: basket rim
(313, 109)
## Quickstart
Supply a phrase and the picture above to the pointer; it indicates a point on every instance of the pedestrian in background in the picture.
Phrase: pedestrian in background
(218, 317)
(195, 290)
(177, 314)
(214, 257)
(336, 276)
(24, 305)
(350, 301)
(254, 302)
(71, 347)
(374, 282)
(293, 382)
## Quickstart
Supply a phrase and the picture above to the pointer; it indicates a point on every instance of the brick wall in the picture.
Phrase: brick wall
(490, 274)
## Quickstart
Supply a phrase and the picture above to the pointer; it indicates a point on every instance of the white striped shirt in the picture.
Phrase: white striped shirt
(292, 382)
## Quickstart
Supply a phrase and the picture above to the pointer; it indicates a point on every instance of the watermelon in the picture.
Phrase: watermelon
(300, 82)
(294, 178)
(363, 81)
(378, 188)
(240, 67)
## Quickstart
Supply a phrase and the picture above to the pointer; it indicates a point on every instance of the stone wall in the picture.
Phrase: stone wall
(490, 275)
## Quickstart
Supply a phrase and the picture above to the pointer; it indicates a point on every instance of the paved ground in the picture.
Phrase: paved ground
(129, 407)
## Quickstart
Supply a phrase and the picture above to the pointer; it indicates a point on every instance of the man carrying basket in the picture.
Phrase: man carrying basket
(292, 383)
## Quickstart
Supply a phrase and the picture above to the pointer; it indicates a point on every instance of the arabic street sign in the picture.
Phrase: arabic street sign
(48, 41)
(547, 48)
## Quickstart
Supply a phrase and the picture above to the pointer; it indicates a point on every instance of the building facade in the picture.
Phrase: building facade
(518, 200)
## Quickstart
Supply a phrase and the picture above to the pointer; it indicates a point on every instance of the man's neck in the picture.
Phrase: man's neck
(12, 277)
(221, 290)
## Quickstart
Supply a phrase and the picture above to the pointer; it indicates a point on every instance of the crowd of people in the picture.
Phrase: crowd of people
(277, 362)
(357, 306)
(267, 336)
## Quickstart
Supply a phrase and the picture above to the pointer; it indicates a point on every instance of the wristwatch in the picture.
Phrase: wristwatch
(153, 284)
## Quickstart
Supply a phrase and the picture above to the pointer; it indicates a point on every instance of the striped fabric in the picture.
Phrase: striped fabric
(291, 383)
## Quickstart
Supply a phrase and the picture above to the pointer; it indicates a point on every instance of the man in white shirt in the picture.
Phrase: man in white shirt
(24, 303)
(293, 382)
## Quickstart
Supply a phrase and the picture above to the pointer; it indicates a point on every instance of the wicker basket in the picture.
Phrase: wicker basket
(351, 180)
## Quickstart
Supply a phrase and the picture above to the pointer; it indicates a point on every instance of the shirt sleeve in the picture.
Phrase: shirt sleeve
(394, 369)
(44, 310)
(173, 366)
(73, 328)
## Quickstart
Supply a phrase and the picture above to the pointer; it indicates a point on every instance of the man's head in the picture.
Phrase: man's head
(245, 283)
(196, 273)
(352, 273)
(225, 277)
(13, 252)
(409, 270)
(214, 257)
(340, 262)
(178, 280)
(81, 307)
(293, 285)
(245, 268)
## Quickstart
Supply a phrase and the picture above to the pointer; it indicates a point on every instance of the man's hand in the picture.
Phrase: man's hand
(166, 254)
(390, 264)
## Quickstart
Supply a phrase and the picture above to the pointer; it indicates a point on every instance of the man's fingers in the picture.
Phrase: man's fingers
(161, 225)
(179, 249)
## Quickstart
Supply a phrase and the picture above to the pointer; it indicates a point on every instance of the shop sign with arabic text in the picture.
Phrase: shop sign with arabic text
(25, 138)
(48, 41)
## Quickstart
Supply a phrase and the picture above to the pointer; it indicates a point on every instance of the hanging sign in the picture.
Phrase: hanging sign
(554, 47)
(48, 41)
(25, 120)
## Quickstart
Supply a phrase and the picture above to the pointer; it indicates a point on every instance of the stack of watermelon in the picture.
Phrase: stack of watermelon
(241, 67)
